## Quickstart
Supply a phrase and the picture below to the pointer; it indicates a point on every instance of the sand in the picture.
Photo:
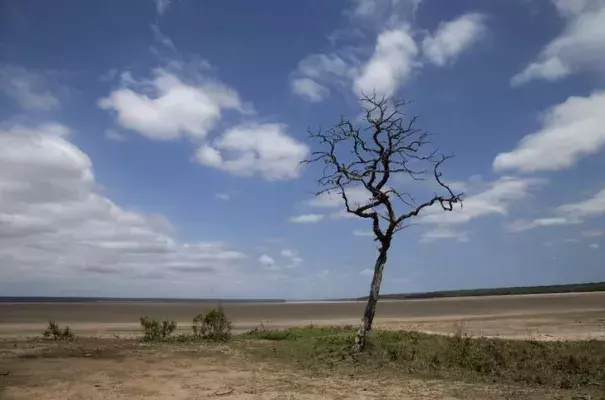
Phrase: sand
(132, 370)
(550, 316)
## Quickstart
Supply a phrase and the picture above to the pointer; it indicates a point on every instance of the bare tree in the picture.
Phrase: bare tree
(369, 157)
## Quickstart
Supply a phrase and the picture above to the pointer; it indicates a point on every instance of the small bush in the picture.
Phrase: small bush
(55, 332)
(155, 330)
(212, 325)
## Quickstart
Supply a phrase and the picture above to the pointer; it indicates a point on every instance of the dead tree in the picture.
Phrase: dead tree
(369, 156)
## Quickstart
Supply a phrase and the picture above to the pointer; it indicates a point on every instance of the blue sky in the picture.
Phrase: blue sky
(152, 147)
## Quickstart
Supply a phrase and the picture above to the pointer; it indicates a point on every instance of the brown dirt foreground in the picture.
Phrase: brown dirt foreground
(103, 369)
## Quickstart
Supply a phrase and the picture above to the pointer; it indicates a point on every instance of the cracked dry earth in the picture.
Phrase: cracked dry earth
(173, 372)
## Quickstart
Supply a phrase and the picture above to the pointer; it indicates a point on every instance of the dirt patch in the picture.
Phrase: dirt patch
(170, 371)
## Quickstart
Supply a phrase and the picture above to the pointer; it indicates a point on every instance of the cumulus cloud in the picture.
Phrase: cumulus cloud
(291, 257)
(594, 233)
(570, 130)
(318, 71)
(495, 199)
(309, 89)
(361, 232)
(443, 232)
(306, 218)
(255, 149)
(390, 65)
(592, 207)
(384, 11)
(54, 224)
(568, 214)
(28, 88)
(579, 47)
(366, 272)
(453, 37)
(166, 107)
(266, 261)
(332, 199)
(115, 136)
(162, 5)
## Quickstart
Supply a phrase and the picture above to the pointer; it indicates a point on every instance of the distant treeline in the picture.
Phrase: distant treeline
(569, 288)
(127, 299)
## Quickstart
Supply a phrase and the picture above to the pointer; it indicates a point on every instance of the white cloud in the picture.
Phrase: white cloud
(266, 261)
(570, 130)
(223, 196)
(523, 225)
(593, 207)
(594, 246)
(287, 253)
(594, 233)
(28, 88)
(366, 272)
(293, 260)
(115, 136)
(318, 71)
(255, 149)
(443, 232)
(390, 65)
(580, 47)
(166, 107)
(306, 218)
(361, 232)
(567, 214)
(453, 37)
(332, 199)
(384, 12)
(309, 89)
(496, 199)
(56, 227)
(162, 5)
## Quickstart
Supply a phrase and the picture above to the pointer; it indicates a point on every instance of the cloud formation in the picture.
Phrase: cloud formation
(306, 218)
(390, 64)
(496, 199)
(28, 88)
(166, 107)
(55, 226)
(580, 47)
(570, 130)
(568, 214)
(255, 149)
(453, 37)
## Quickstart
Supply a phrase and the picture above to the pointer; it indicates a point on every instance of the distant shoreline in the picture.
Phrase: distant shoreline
(44, 299)
(503, 291)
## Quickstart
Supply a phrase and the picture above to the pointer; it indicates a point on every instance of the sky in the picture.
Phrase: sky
(152, 148)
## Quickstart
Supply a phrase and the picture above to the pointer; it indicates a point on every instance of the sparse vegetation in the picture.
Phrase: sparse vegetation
(155, 330)
(54, 331)
(212, 325)
(560, 364)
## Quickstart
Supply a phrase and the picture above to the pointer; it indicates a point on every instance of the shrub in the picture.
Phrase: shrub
(157, 330)
(55, 332)
(212, 325)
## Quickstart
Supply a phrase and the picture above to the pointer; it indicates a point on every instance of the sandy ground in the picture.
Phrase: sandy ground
(133, 371)
(545, 317)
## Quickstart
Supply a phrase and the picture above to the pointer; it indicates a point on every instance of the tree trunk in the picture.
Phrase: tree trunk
(368, 315)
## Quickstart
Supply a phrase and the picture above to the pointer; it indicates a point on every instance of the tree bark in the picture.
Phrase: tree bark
(368, 315)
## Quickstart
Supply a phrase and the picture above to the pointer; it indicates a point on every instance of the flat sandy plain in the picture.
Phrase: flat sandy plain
(132, 370)
(546, 316)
